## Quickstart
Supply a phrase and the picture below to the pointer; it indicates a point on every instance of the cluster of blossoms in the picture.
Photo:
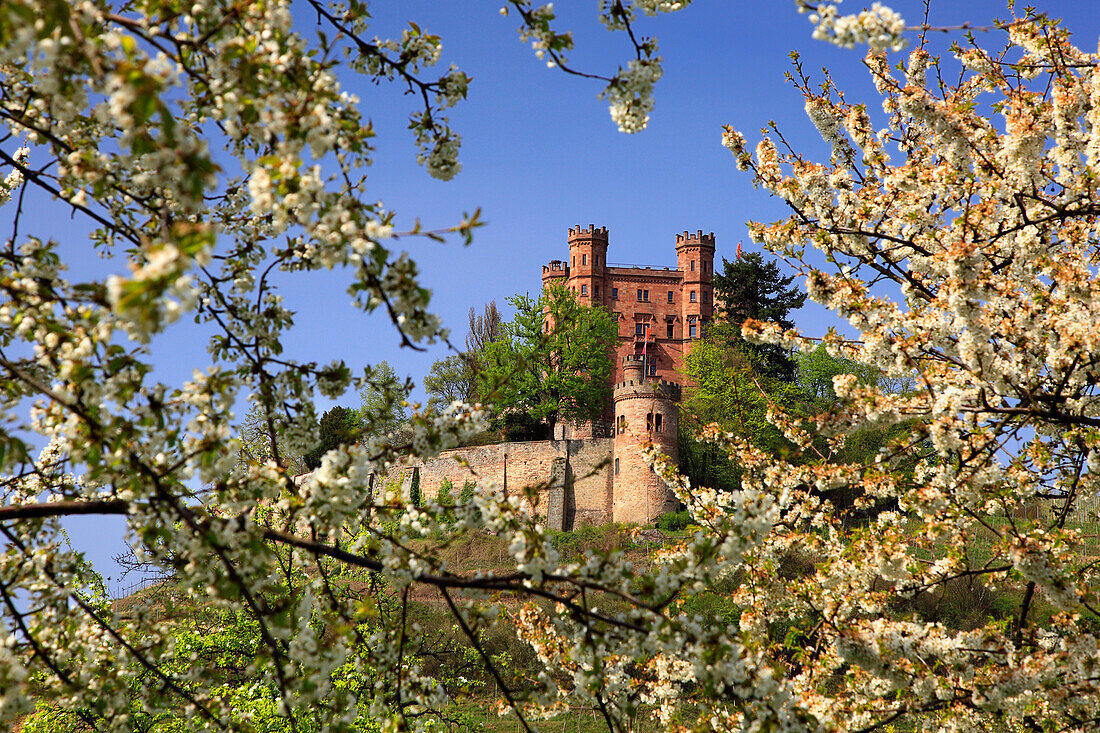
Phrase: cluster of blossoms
(879, 27)
(630, 95)
(985, 230)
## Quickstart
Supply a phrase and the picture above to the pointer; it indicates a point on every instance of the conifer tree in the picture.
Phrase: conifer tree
(748, 288)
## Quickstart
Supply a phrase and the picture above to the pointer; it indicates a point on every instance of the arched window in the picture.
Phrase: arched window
(616, 466)
(692, 296)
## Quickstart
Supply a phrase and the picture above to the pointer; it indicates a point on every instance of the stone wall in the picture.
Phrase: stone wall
(572, 478)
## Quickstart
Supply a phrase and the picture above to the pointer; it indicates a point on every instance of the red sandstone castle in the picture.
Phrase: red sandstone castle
(595, 473)
(659, 311)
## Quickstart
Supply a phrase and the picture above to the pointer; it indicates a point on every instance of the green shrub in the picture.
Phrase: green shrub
(673, 521)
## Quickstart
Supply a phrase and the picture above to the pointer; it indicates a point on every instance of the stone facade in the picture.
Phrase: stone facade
(569, 480)
(659, 310)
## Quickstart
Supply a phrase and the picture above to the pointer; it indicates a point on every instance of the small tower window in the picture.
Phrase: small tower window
(597, 260)
(597, 291)
(669, 296)
(574, 260)
(693, 265)
(616, 466)
(614, 293)
(622, 423)
(584, 291)
(692, 296)
(649, 422)
(691, 331)
(584, 259)
(657, 426)
(652, 367)
(706, 297)
(668, 329)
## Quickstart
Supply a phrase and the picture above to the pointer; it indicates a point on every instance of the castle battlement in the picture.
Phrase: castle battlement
(556, 268)
(698, 239)
(592, 232)
(647, 388)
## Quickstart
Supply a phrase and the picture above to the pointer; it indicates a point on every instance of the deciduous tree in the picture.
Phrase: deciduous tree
(552, 361)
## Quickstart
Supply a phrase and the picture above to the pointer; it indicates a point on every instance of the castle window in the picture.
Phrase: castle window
(639, 294)
(691, 331)
(597, 293)
(597, 260)
(584, 259)
(692, 296)
(584, 291)
(669, 296)
(693, 265)
(574, 260)
(614, 293)
(706, 297)
(645, 295)
(622, 423)
(616, 466)
(652, 367)
(649, 422)
(657, 426)
(639, 329)
(668, 328)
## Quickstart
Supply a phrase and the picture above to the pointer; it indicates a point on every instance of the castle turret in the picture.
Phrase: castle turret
(645, 412)
(695, 259)
(588, 264)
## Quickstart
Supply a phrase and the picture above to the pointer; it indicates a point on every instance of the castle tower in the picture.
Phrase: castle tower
(588, 264)
(645, 412)
(695, 258)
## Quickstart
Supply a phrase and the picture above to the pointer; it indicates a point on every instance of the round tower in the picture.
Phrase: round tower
(588, 264)
(645, 412)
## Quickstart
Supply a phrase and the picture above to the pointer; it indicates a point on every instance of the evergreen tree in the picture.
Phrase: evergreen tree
(339, 426)
(748, 288)
(383, 400)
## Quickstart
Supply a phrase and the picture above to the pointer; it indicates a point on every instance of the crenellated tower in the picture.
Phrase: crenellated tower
(645, 412)
(588, 264)
(695, 259)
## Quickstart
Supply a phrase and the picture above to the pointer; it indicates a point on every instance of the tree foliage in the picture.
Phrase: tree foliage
(455, 377)
(552, 361)
(382, 409)
(338, 426)
(750, 288)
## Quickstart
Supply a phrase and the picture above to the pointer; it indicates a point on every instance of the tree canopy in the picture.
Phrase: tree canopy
(552, 361)
(750, 288)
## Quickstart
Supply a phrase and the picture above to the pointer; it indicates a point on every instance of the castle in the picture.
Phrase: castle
(594, 473)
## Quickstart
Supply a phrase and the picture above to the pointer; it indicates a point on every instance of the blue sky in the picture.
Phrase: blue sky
(540, 154)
